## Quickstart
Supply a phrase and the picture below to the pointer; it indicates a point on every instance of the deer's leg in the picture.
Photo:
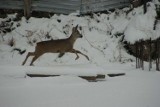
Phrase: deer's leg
(76, 55)
(60, 55)
(35, 58)
(29, 54)
(77, 51)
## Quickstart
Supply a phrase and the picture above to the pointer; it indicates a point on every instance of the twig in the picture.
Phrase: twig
(20, 34)
(19, 50)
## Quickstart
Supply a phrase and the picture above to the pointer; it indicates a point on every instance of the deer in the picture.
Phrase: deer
(60, 46)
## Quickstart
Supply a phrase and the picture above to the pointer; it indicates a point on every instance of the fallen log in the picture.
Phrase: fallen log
(100, 76)
(41, 75)
(89, 78)
(116, 74)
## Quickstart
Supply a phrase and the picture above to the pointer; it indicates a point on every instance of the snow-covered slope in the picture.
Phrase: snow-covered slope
(141, 26)
(100, 41)
(101, 36)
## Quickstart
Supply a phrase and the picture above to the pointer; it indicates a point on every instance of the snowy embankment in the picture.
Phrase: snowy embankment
(141, 27)
(102, 34)
(73, 70)
(99, 41)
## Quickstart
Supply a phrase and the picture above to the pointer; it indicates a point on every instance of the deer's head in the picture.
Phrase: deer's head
(76, 33)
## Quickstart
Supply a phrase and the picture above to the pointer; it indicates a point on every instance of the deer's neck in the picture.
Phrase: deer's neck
(72, 39)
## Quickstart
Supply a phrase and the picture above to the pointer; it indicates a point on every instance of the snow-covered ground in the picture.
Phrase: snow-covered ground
(102, 34)
(137, 88)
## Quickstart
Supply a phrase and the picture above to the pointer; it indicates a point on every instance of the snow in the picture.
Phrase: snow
(77, 70)
(141, 26)
(138, 88)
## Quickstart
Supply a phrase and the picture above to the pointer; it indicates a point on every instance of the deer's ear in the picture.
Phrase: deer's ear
(76, 27)
(73, 29)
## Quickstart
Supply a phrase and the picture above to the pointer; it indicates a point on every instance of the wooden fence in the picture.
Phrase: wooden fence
(148, 51)
(62, 6)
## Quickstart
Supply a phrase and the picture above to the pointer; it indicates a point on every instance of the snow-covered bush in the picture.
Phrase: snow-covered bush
(7, 25)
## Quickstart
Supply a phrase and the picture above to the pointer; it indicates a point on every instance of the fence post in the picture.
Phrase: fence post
(27, 8)
(150, 54)
(136, 55)
(158, 55)
(142, 56)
